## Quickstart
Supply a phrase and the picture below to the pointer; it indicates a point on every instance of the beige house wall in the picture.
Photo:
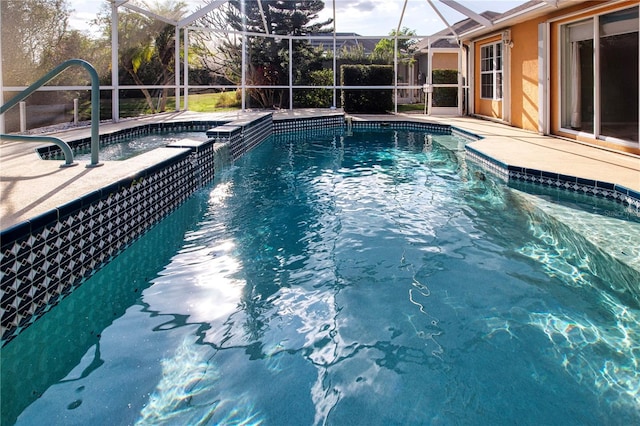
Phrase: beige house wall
(445, 61)
(524, 75)
(524, 70)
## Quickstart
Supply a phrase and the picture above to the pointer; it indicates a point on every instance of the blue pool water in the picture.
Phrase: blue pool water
(135, 145)
(377, 279)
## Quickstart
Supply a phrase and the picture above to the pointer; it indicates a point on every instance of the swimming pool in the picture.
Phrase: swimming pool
(373, 279)
(134, 145)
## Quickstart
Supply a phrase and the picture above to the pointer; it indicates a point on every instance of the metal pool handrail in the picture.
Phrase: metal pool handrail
(66, 149)
(95, 110)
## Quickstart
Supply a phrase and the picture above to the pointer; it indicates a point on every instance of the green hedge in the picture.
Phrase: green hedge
(445, 96)
(315, 98)
(367, 101)
(444, 76)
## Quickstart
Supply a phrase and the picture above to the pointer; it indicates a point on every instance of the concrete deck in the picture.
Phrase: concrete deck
(30, 186)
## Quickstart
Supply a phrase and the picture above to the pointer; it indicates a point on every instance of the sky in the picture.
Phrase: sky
(364, 17)
(379, 17)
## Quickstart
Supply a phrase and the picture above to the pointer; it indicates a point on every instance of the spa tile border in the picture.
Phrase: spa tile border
(53, 152)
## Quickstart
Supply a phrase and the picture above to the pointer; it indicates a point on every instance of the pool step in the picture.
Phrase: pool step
(610, 233)
(584, 250)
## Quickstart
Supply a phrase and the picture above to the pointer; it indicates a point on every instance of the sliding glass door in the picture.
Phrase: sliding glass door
(600, 79)
(578, 96)
(619, 74)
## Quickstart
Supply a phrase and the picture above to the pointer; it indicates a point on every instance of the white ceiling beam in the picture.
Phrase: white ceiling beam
(443, 19)
(468, 12)
(150, 14)
(264, 18)
(200, 13)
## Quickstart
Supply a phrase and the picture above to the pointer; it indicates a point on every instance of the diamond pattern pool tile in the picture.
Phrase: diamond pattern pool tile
(43, 266)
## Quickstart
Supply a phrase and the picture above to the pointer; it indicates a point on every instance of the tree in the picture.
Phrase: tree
(36, 39)
(74, 44)
(384, 50)
(268, 57)
(147, 47)
(29, 28)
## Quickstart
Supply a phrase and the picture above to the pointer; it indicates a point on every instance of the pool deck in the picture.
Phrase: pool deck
(30, 186)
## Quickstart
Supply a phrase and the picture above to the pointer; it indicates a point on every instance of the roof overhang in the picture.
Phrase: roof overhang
(486, 23)
(508, 19)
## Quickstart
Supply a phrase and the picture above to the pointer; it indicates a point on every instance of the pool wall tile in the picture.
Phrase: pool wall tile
(434, 128)
(242, 136)
(44, 259)
(496, 167)
(570, 183)
(309, 124)
(48, 256)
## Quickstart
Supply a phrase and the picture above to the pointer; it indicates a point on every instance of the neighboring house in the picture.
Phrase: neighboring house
(344, 40)
(565, 68)
(443, 46)
(441, 51)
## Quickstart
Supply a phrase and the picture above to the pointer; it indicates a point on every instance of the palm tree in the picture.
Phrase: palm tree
(146, 46)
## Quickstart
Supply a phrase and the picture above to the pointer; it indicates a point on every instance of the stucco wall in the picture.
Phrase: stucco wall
(524, 75)
(524, 69)
(445, 61)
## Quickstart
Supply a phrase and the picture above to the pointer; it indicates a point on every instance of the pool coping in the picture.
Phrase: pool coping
(217, 128)
(570, 183)
(465, 125)
(296, 122)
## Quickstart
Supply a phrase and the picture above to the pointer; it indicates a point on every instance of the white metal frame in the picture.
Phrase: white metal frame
(430, 109)
(544, 89)
(185, 24)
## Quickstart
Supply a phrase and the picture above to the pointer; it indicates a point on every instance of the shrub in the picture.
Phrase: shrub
(228, 99)
(315, 98)
(445, 96)
(444, 76)
(368, 100)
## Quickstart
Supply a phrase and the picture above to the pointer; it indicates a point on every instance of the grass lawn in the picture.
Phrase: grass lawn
(411, 107)
(205, 102)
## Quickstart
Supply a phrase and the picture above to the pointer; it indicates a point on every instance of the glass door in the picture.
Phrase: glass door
(578, 89)
(619, 75)
(599, 76)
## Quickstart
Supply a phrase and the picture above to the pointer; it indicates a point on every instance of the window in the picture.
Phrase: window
(491, 71)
